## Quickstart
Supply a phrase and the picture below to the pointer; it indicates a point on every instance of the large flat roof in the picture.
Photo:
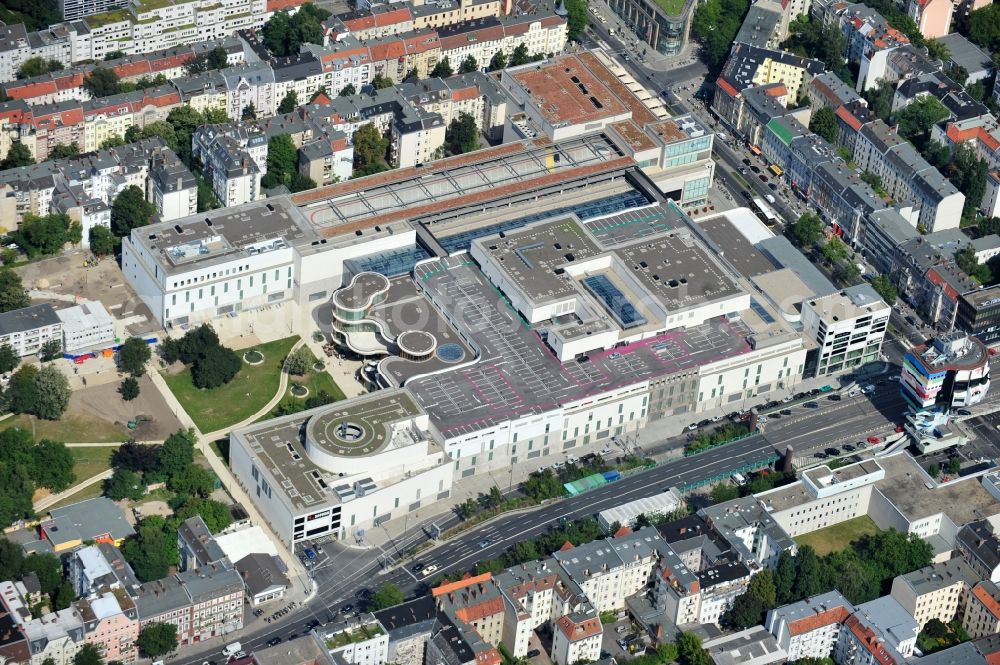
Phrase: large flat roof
(517, 375)
(735, 247)
(279, 447)
(567, 93)
(963, 502)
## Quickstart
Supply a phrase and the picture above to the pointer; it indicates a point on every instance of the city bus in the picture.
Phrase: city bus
(764, 213)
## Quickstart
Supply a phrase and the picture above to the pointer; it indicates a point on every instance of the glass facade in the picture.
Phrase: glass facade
(652, 24)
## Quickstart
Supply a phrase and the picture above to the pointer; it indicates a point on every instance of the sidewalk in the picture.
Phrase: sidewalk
(53, 499)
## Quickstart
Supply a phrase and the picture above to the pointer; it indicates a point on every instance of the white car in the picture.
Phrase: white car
(787, 398)
(868, 390)
(605, 450)
(716, 419)
(761, 420)
(854, 393)
(430, 570)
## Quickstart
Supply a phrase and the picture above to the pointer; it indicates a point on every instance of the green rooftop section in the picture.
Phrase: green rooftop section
(153, 5)
(779, 129)
(671, 7)
(361, 634)
(107, 18)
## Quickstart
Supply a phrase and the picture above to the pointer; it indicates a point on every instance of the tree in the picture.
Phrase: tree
(885, 288)
(206, 197)
(380, 82)
(301, 183)
(690, 651)
(369, 150)
(288, 102)
(916, 120)
(102, 82)
(192, 481)
(807, 578)
(102, 240)
(88, 655)
(834, 250)
(157, 639)
(984, 27)
(576, 18)
(38, 66)
(152, 550)
(124, 484)
(442, 69)
(498, 61)
(51, 350)
(63, 151)
(285, 33)
(935, 629)
(15, 494)
(136, 457)
(724, 492)
(177, 453)
(387, 596)
(958, 74)
(129, 389)
(934, 470)
(52, 393)
(52, 465)
(520, 56)
(938, 51)
(11, 559)
(824, 123)
(282, 158)
(468, 65)
(968, 173)
(9, 360)
(216, 515)
(159, 128)
(879, 98)
(808, 230)
(249, 113)
(462, 135)
(47, 567)
(130, 210)
(746, 611)
(954, 466)
(133, 356)
(715, 25)
(18, 155)
(216, 367)
(45, 235)
(967, 261)
(298, 361)
(348, 90)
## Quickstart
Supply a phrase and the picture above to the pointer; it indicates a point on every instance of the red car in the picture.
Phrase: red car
(873, 440)
(899, 429)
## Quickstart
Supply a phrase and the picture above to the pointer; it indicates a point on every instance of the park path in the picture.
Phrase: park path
(219, 466)
(53, 499)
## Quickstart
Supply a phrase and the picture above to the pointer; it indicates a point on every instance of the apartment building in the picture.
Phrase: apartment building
(848, 328)
(111, 624)
(938, 591)
(979, 543)
(327, 160)
(534, 593)
(26, 330)
(577, 637)
(14, 50)
(933, 17)
(907, 176)
(950, 371)
(981, 614)
(360, 641)
(86, 326)
(809, 628)
(880, 632)
(477, 602)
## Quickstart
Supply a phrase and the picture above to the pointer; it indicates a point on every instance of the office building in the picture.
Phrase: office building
(952, 371)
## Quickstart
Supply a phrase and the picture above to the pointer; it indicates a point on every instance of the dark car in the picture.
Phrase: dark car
(346, 609)
(811, 405)
(746, 161)
(834, 397)
(964, 412)
(849, 447)
(274, 641)
(534, 652)
(312, 624)
(773, 403)
(821, 455)
(747, 195)
(763, 178)
(417, 567)
(293, 636)
(773, 187)
(799, 395)
(755, 169)
(833, 452)
(786, 412)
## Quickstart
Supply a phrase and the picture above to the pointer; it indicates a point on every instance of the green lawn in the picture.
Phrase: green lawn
(315, 382)
(671, 7)
(88, 462)
(89, 492)
(72, 428)
(839, 536)
(246, 394)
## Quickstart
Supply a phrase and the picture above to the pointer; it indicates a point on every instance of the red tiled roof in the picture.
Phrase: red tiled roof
(624, 531)
(935, 278)
(65, 118)
(396, 16)
(988, 601)
(488, 657)
(32, 90)
(276, 5)
(776, 90)
(135, 68)
(359, 23)
(980, 133)
(481, 610)
(578, 631)
(849, 118)
(566, 547)
(870, 641)
(448, 587)
(835, 615)
(321, 99)
(727, 87)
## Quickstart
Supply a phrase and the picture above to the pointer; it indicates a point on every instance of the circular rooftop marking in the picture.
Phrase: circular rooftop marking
(349, 432)
(450, 352)
(416, 342)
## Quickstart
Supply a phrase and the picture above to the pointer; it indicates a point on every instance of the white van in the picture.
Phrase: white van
(769, 197)
(739, 479)
(232, 649)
